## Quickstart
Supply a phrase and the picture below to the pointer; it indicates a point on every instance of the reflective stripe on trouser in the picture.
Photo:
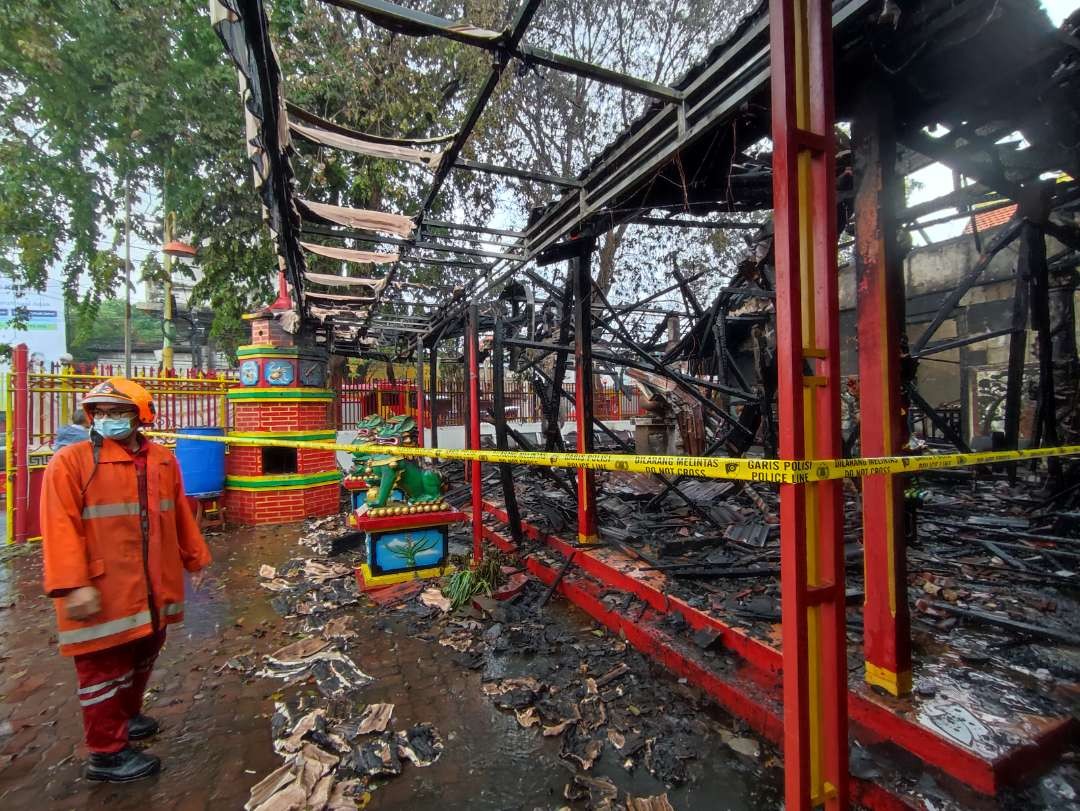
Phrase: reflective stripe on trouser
(111, 687)
(97, 689)
(116, 626)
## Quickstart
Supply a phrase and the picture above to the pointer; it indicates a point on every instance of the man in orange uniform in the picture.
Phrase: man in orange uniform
(117, 536)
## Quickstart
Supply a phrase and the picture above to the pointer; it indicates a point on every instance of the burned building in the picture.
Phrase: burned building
(891, 600)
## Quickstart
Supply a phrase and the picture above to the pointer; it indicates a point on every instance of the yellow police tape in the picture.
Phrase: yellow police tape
(782, 471)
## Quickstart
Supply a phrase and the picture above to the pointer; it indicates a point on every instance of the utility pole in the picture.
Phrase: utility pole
(167, 327)
(127, 276)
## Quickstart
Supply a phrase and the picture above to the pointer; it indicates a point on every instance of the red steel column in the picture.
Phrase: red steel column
(807, 317)
(583, 391)
(421, 406)
(433, 389)
(472, 351)
(21, 442)
(879, 278)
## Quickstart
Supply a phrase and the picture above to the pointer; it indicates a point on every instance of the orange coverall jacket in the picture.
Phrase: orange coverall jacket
(96, 539)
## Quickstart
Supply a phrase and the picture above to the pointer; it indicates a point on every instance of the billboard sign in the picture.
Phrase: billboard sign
(45, 332)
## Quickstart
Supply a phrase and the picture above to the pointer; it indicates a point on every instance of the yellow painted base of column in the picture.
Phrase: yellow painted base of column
(898, 684)
(584, 540)
(819, 797)
(376, 581)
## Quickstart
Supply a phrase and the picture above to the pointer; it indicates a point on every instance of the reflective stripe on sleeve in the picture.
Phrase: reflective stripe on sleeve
(103, 629)
(172, 609)
(110, 510)
(166, 504)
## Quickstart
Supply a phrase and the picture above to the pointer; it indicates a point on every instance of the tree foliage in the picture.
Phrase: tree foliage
(343, 67)
(94, 92)
(98, 92)
(556, 122)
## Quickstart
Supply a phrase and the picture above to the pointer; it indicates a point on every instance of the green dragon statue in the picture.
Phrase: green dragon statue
(365, 434)
(384, 474)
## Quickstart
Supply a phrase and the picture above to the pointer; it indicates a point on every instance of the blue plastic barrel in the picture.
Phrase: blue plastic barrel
(202, 464)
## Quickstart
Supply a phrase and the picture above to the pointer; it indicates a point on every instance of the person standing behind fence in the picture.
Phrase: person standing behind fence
(117, 535)
(75, 431)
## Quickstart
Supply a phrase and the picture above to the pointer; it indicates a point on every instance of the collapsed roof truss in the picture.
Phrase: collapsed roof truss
(720, 97)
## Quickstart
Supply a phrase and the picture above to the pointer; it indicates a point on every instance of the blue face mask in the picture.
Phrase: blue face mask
(114, 427)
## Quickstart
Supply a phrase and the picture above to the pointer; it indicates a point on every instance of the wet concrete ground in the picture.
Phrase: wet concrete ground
(216, 742)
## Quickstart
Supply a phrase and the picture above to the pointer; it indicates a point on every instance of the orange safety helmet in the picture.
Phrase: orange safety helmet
(121, 391)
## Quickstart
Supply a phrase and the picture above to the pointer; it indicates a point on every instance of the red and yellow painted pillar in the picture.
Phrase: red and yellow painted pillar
(882, 426)
(808, 365)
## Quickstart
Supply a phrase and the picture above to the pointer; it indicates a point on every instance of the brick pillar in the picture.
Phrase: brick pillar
(281, 397)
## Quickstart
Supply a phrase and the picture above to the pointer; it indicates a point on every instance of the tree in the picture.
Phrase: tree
(87, 340)
(343, 67)
(556, 122)
(95, 94)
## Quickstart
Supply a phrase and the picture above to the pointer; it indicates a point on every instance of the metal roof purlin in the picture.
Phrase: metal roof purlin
(512, 37)
(729, 77)
(397, 17)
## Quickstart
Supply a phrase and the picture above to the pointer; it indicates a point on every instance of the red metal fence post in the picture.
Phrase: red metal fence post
(880, 305)
(472, 349)
(20, 442)
(807, 316)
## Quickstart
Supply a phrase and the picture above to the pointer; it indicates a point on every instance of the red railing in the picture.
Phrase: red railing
(356, 401)
(183, 399)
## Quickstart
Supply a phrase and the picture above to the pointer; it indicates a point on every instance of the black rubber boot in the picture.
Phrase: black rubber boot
(124, 766)
(142, 726)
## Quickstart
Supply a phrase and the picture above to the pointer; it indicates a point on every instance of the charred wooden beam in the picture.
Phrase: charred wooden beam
(1001, 239)
(956, 343)
(1026, 628)
(975, 193)
(677, 222)
(506, 475)
(1033, 251)
(407, 21)
(551, 407)
(1017, 356)
(520, 174)
(943, 151)
(687, 293)
(478, 229)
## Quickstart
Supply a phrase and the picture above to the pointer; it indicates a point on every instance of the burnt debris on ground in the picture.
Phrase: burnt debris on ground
(993, 581)
(625, 734)
(334, 744)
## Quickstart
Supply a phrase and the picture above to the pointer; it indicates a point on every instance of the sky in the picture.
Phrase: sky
(1059, 9)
